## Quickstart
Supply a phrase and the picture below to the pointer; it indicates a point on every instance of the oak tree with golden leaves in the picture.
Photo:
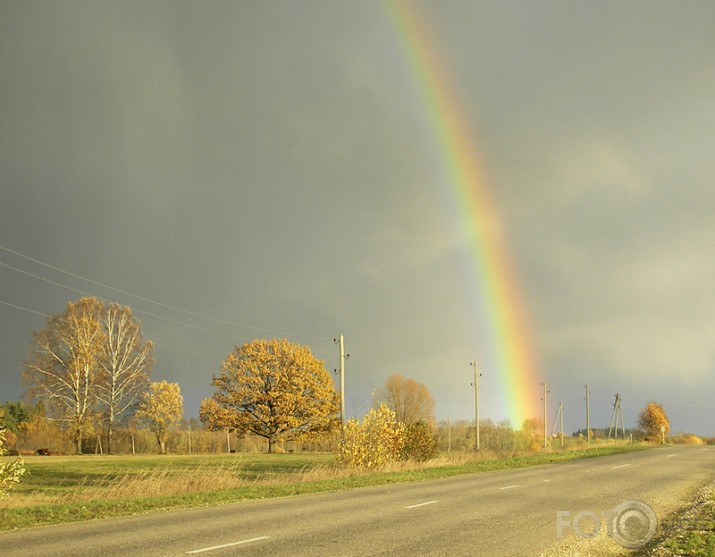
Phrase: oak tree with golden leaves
(273, 389)
(162, 409)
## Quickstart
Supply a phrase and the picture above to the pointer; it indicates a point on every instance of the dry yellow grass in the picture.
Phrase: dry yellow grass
(79, 480)
(201, 477)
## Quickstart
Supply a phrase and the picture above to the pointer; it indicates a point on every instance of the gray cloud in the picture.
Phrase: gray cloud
(275, 168)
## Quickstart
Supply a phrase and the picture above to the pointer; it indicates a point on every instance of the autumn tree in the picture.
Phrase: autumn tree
(273, 389)
(162, 408)
(532, 434)
(651, 420)
(126, 363)
(410, 400)
(63, 365)
(41, 431)
(90, 364)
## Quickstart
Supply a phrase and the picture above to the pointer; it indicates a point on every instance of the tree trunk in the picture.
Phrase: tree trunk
(109, 438)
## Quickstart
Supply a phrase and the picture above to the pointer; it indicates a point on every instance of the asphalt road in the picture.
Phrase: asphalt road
(508, 513)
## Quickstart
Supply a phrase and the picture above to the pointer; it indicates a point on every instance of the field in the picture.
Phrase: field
(76, 488)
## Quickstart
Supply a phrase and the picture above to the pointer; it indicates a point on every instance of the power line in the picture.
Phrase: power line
(46, 279)
(161, 345)
(136, 310)
(150, 300)
(84, 292)
(24, 309)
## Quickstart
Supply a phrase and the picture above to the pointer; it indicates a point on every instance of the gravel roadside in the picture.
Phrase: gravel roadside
(698, 517)
(676, 511)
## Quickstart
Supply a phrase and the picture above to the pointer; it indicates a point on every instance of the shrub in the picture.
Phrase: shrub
(687, 439)
(376, 442)
(10, 471)
(420, 442)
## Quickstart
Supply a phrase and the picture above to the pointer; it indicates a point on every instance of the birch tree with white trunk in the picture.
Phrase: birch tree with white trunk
(126, 363)
(63, 363)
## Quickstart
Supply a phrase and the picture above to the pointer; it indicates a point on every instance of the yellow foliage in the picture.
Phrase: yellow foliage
(10, 471)
(62, 367)
(377, 441)
(651, 419)
(273, 389)
(162, 409)
(89, 360)
(687, 439)
(10, 438)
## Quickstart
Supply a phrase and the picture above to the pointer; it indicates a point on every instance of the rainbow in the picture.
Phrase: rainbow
(492, 275)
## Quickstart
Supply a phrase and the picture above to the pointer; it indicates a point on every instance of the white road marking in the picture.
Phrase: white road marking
(509, 487)
(420, 505)
(672, 455)
(621, 466)
(202, 550)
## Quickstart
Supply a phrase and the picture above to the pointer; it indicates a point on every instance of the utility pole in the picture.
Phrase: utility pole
(477, 375)
(546, 392)
(588, 417)
(341, 342)
(614, 418)
(449, 434)
(559, 419)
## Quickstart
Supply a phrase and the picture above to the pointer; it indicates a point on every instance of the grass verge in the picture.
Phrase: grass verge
(691, 531)
(71, 489)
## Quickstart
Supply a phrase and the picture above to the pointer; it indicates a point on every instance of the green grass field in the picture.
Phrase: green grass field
(76, 488)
